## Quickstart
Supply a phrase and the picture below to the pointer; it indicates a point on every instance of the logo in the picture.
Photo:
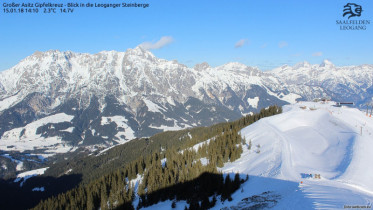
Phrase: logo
(355, 24)
(352, 9)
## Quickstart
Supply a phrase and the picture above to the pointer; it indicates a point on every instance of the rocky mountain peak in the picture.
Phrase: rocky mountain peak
(201, 66)
(141, 52)
(327, 64)
(303, 64)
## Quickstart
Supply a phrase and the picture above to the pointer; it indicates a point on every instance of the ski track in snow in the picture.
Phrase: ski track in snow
(325, 141)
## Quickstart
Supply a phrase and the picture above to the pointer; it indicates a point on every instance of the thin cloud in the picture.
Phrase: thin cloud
(282, 44)
(165, 40)
(317, 54)
(240, 43)
(264, 45)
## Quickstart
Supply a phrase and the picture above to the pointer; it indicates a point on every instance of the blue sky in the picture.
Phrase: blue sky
(263, 33)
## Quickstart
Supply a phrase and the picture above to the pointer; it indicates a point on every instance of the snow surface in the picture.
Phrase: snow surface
(190, 135)
(253, 101)
(8, 102)
(291, 97)
(163, 162)
(69, 129)
(323, 140)
(171, 101)
(180, 205)
(19, 166)
(204, 161)
(41, 189)
(28, 174)
(121, 121)
(197, 146)
(152, 107)
(12, 140)
(169, 128)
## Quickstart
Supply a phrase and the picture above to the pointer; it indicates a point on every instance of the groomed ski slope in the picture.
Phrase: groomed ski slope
(308, 138)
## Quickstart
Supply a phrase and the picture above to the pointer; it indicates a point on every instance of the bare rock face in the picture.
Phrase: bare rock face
(39, 103)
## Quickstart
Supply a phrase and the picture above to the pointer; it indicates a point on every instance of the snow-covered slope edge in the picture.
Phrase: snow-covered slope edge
(309, 139)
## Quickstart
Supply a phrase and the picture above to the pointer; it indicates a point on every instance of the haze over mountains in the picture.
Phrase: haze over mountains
(55, 102)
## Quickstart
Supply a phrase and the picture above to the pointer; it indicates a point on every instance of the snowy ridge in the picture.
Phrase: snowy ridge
(305, 79)
(128, 75)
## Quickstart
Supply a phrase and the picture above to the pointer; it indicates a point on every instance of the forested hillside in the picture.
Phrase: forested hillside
(174, 173)
(170, 165)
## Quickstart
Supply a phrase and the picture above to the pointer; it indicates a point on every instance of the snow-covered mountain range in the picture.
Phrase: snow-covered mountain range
(59, 101)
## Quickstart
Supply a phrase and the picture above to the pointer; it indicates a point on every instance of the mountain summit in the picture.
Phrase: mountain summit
(327, 64)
